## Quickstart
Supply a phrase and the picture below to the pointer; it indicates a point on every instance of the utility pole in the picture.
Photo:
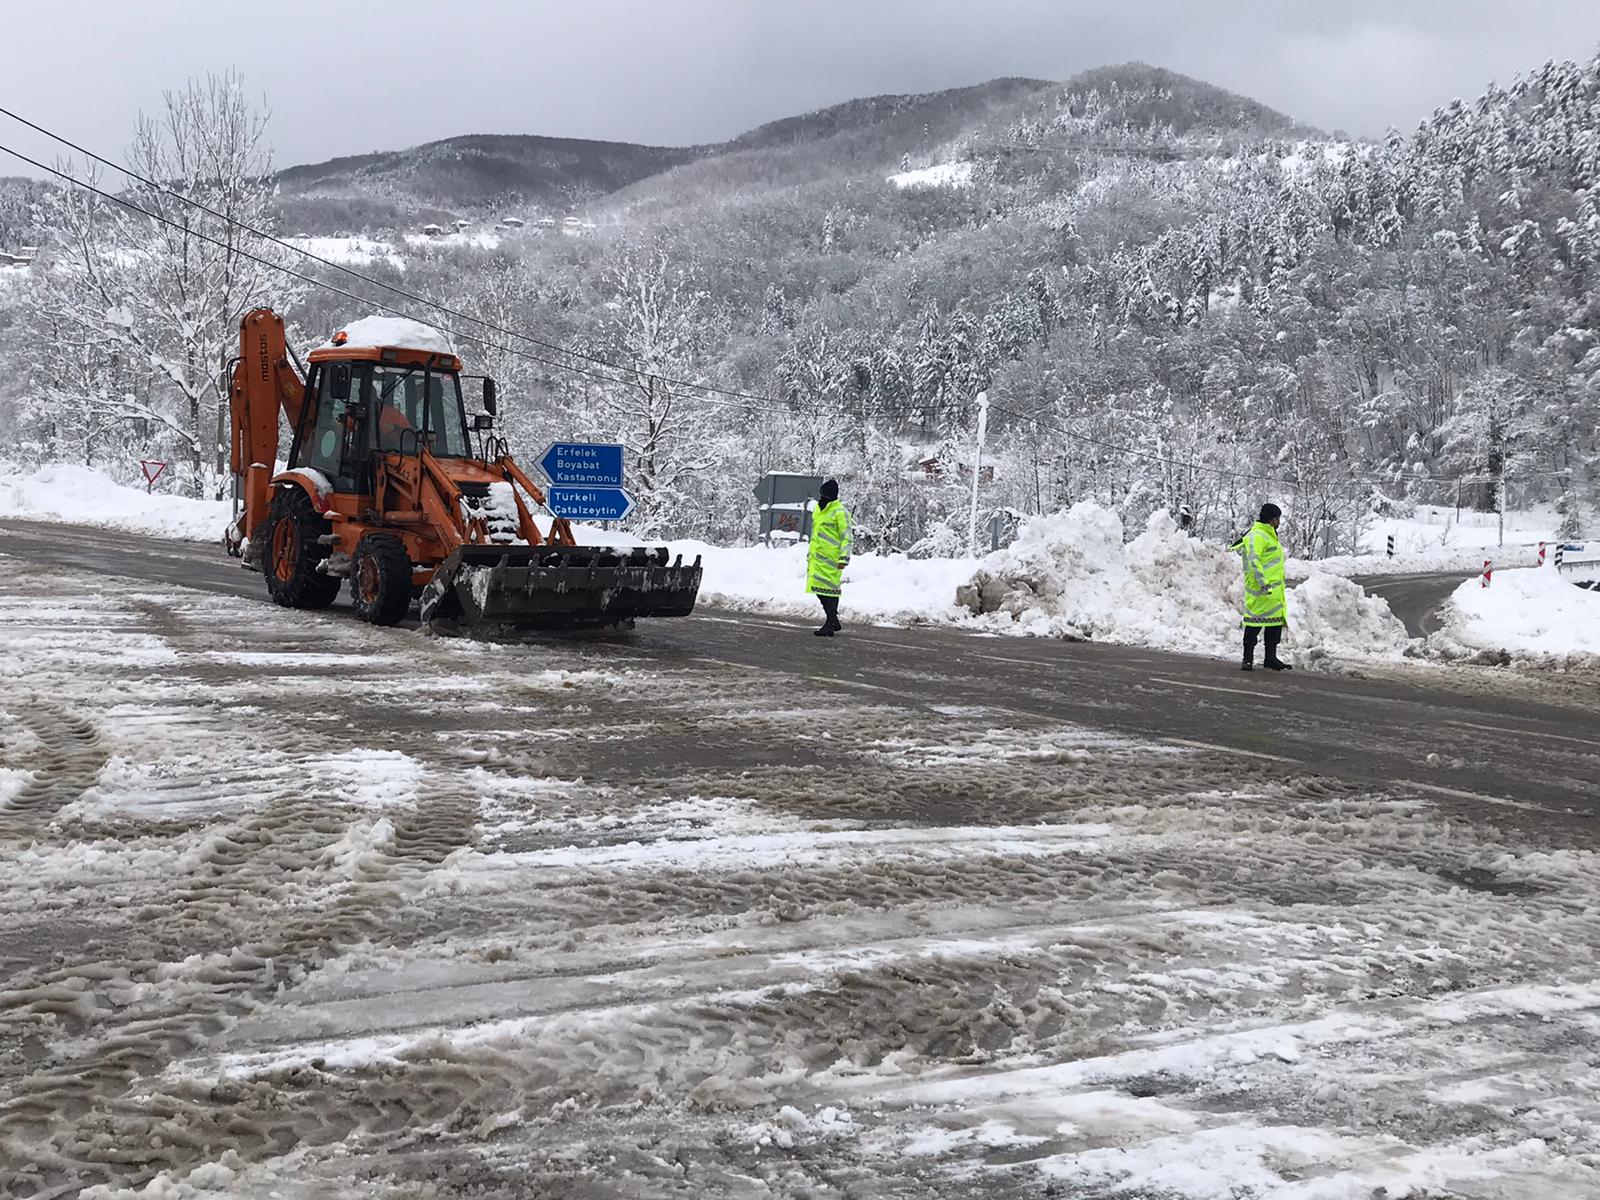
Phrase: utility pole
(1502, 490)
(977, 472)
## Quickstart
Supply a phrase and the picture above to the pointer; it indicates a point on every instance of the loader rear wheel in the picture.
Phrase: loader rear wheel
(295, 552)
(380, 579)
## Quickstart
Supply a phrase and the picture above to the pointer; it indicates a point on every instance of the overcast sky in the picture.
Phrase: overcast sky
(356, 75)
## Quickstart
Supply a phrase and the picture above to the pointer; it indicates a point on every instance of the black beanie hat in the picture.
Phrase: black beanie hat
(1270, 512)
(829, 490)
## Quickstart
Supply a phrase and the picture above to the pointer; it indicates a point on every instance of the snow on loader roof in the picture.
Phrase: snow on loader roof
(399, 333)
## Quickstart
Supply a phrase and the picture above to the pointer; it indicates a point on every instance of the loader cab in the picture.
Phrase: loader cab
(359, 407)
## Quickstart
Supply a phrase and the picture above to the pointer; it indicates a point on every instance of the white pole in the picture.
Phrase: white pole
(1502, 490)
(977, 472)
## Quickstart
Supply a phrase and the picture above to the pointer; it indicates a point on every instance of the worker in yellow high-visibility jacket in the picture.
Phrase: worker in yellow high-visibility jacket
(828, 555)
(1265, 604)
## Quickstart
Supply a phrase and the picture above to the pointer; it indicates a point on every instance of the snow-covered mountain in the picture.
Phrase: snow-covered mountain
(1171, 294)
(462, 176)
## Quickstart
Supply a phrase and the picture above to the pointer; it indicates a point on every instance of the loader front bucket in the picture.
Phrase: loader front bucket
(555, 587)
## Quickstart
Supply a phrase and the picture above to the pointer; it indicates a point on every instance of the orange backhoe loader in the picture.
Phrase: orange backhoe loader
(383, 488)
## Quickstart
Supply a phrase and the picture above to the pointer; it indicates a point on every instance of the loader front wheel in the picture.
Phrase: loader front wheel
(380, 579)
(295, 552)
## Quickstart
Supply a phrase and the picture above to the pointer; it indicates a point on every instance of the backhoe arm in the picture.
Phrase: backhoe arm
(265, 384)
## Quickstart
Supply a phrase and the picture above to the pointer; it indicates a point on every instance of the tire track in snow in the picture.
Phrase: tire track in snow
(65, 764)
(573, 927)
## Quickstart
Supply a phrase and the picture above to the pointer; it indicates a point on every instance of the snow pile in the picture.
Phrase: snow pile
(1526, 613)
(1071, 575)
(1329, 615)
(84, 496)
(227, 1176)
(877, 587)
(790, 1126)
(365, 848)
(951, 174)
(401, 333)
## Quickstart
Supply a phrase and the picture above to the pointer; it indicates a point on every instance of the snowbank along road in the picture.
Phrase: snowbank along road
(297, 907)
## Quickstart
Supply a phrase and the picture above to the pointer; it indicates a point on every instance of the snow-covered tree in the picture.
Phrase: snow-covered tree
(652, 326)
(163, 283)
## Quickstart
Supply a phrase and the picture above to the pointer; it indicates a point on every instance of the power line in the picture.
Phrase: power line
(732, 397)
(280, 267)
(269, 236)
(476, 339)
(767, 402)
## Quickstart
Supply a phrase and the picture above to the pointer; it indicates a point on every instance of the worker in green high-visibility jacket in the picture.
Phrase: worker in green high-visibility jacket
(828, 555)
(1265, 604)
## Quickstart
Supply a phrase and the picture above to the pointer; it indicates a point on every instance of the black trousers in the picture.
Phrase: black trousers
(1252, 634)
(830, 607)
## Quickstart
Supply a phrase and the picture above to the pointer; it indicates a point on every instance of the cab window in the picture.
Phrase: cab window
(328, 444)
(417, 407)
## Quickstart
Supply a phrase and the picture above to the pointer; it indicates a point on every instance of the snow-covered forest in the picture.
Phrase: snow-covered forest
(1171, 294)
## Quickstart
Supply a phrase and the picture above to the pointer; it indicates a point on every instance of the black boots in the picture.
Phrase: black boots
(1272, 662)
(830, 612)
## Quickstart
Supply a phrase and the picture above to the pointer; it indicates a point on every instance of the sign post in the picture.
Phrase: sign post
(585, 481)
(786, 501)
(977, 472)
(150, 476)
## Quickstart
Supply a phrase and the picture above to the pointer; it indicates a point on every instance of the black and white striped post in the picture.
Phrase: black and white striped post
(1390, 543)
(1561, 552)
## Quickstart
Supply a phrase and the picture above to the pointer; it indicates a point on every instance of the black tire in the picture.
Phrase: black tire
(293, 552)
(380, 579)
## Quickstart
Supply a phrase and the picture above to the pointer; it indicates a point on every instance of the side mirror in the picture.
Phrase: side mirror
(482, 423)
(489, 394)
(339, 381)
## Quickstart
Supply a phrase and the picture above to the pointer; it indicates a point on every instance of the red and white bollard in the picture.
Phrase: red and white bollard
(1541, 554)
(1488, 571)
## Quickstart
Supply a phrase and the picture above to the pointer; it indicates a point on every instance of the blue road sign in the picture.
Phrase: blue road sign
(589, 503)
(583, 464)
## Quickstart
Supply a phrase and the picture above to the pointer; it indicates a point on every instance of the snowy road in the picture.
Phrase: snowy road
(1415, 599)
(297, 907)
